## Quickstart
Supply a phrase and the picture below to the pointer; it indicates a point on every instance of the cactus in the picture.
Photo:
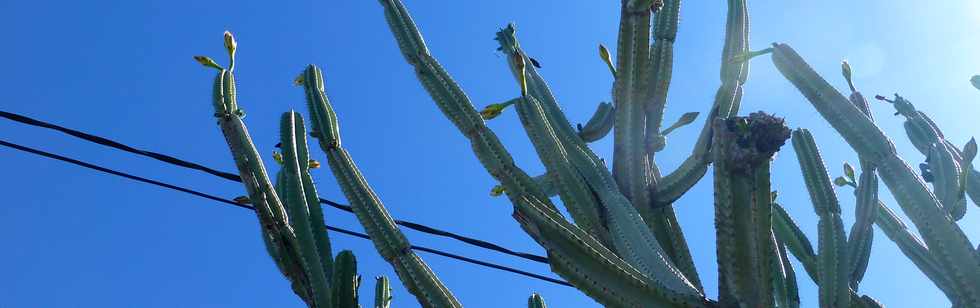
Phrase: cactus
(623, 246)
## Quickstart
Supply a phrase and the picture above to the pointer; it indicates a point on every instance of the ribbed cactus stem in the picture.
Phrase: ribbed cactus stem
(382, 292)
(536, 301)
(832, 265)
(346, 281)
(377, 222)
(860, 238)
(277, 230)
(954, 251)
(291, 126)
(744, 147)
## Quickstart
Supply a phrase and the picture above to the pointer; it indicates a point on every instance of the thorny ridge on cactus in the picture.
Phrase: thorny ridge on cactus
(623, 246)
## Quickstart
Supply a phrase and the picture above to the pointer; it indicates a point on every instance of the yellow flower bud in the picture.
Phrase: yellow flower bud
(277, 157)
(491, 111)
(230, 44)
(207, 61)
(607, 58)
(496, 191)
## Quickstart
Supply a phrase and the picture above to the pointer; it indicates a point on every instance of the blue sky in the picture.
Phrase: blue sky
(123, 69)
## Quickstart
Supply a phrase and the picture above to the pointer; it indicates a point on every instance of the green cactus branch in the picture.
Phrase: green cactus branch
(955, 253)
(377, 222)
(743, 210)
(623, 245)
(832, 264)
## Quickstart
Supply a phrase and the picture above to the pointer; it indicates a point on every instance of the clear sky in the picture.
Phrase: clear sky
(122, 69)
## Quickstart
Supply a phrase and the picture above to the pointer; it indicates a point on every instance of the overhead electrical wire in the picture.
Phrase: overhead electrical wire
(245, 206)
(234, 177)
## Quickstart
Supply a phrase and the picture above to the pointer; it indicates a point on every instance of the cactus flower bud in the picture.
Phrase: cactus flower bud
(207, 61)
(975, 80)
(846, 71)
(230, 44)
(496, 191)
(314, 164)
(607, 58)
(849, 171)
(493, 110)
(277, 157)
(841, 181)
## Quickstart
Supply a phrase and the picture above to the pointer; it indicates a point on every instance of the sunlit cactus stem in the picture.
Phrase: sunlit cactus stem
(743, 148)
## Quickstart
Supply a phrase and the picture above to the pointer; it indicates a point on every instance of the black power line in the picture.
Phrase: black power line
(244, 206)
(234, 177)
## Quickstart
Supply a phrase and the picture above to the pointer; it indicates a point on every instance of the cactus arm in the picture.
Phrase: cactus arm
(726, 104)
(346, 281)
(277, 233)
(660, 65)
(313, 210)
(536, 301)
(944, 158)
(832, 262)
(582, 204)
(859, 132)
(600, 124)
(553, 145)
(923, 133)
(913, 248)
(593, 268)
(946, 180)
(633, 170)
(954, 251)
(291, 126)
(630, 236)
(382, 292)
(631, 166)
(377, 222)
(456, 106)
(862, 234)
(672, 186)
(388, 240)
(789, 233)
(787, 290)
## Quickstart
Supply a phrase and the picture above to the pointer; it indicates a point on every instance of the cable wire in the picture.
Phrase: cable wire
(244, 206)
(234, 177)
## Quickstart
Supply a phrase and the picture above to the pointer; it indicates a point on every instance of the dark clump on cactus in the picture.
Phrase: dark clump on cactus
(750, 141)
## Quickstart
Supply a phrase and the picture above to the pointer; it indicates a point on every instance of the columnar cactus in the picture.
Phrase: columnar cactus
(623, 245)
